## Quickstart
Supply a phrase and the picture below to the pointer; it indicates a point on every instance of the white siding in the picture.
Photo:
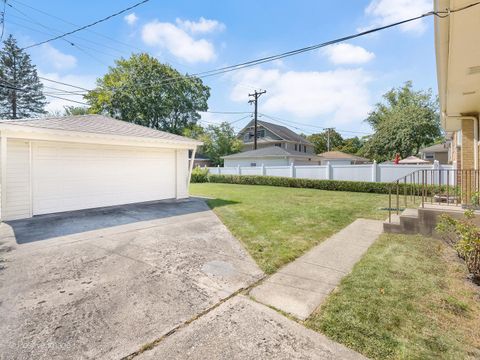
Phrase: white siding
(182, 170)
(257, 161)
(18, 195)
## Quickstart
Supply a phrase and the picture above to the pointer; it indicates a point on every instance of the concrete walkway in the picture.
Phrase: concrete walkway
(243, 329)
(301, 286)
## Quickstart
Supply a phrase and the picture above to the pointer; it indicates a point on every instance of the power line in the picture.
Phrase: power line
(63, 83)
(88, 25)
(304, 49)
(131, 46)
(2, 18)
(313, 126)
(53, 96)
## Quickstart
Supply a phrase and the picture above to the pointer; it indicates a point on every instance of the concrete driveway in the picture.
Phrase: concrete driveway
(103, 283)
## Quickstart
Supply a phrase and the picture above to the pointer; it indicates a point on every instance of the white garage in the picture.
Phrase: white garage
(69, 163)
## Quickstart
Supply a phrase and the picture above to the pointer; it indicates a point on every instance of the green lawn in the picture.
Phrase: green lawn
(278, 224)
(406, 299)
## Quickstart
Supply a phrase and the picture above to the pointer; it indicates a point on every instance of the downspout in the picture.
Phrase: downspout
(475, 135)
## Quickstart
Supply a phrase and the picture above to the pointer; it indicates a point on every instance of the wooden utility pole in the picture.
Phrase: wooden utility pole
(255, 96)
(328, 138)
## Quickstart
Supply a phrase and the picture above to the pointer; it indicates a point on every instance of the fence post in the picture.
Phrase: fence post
(263, 170)
(218, 169)
(374, 171)
(239, 172)
(329, 171)
(436, 174)
(292, 170)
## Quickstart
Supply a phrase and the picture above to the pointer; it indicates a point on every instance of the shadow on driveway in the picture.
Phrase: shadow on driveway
(44, 227)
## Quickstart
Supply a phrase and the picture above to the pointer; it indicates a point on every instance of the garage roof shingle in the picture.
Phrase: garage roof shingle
(96, 124)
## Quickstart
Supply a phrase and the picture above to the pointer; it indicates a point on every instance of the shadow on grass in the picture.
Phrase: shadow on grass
(214, 203)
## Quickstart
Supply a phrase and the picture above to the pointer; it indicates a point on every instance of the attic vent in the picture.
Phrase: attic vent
(468, 92)
(473, 70)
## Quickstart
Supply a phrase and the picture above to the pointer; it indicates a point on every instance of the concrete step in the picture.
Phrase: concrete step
(405, 223)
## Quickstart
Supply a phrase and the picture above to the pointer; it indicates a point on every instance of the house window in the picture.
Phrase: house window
(261, 133)
(304, 149)
(429, 156)
(253, 164)
(278, 145)
(296, 147)
(246, 137)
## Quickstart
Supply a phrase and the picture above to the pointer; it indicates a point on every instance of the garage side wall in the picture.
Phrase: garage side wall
(18, 195)
(182, 173)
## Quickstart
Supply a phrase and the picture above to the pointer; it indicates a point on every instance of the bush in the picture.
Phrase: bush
(199, 175)
(464, 235)
(333, 185)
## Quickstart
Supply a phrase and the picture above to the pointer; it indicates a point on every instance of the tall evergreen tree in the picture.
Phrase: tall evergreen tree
(21, 92)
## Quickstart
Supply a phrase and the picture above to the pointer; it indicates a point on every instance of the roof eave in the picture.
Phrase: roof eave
(68, 136)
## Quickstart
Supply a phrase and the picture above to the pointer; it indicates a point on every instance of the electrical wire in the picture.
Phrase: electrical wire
(2, 19)
(88, 25)
(313, 126)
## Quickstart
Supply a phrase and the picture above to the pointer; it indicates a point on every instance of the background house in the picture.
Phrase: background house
(269, 135)
(341, 158)
(270, 156)
(438, 152)
(276, 146)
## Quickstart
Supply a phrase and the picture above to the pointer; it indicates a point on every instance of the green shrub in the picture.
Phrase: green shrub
(465, 237)
(199, 175)
(333, 185)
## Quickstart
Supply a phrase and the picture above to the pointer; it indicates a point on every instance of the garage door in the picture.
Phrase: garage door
(71, 177)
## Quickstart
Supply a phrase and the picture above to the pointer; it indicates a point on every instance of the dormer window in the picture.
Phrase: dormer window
(261, 133)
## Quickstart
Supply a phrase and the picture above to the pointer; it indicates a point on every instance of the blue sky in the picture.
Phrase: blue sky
(332, 87)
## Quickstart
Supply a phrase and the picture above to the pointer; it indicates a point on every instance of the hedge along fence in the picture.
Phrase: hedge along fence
(332, 185)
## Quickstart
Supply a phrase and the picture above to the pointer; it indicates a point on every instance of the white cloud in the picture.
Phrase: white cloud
(201, 26)
(384, 12)
(342, 54)
(56, 58)
(131, 19)
(341, 96)
(169, 37)
(55, 104)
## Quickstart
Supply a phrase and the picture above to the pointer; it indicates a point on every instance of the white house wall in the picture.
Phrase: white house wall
(182, 172)
(18, 196)
(257, 161)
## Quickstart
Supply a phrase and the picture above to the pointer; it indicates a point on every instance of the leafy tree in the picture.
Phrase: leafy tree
(219, 140)
(21, 93)
(320, 140)
(194, 131)
(76, 110)
(144, 91)
(405, 122)
(351, 145)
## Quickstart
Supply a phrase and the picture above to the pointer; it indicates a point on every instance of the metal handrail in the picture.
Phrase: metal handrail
(445, 186)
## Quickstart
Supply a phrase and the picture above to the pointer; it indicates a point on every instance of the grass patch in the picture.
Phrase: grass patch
(406, 299)
(278, 224)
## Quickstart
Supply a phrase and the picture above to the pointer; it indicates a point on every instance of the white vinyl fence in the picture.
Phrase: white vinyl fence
(369, 172)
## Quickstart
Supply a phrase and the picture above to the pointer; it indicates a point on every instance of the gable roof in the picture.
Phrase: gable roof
(271, 151)
(281, 131)
(96, 124)
(339, 155)
(413, 160)
(443, 147)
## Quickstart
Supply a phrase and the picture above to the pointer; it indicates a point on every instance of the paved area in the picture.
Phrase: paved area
(301, 286)
(100, 284)
(243, 329)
